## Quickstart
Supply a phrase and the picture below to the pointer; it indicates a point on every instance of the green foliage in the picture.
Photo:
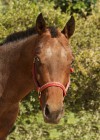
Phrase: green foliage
(81, 126)
(82, 104)
(22, 13)
(85, 81)
(82, 7)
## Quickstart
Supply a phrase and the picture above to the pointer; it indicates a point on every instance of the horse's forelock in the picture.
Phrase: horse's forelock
(53, 31)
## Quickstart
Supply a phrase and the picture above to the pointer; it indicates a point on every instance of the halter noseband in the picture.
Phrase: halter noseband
(49, 84)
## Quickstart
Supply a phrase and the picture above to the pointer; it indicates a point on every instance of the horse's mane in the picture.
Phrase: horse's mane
(24, 34)
(20, 35)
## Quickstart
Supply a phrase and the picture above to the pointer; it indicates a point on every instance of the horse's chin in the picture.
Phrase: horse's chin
(51, 122)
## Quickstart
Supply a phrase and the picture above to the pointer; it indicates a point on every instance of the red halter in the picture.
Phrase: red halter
(49, 84)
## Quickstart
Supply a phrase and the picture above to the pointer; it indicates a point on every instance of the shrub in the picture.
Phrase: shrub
(82, 7)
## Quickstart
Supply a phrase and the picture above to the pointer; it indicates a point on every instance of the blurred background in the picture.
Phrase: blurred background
(81, 120)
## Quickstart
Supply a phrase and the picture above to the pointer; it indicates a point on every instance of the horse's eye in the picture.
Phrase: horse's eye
(36, 59)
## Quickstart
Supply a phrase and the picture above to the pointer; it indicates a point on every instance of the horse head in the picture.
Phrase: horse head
(52, 67)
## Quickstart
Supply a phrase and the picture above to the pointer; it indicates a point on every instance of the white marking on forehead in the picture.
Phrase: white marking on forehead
(41, 45)
(48, 52)
(63, 53)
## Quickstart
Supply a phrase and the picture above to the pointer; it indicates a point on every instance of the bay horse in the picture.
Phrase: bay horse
(38, 61)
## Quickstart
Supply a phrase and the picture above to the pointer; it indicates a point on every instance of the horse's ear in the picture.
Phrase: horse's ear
(40, 24)
(69, 27)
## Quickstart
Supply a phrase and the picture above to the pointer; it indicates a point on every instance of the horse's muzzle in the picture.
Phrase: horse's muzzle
(52, 116)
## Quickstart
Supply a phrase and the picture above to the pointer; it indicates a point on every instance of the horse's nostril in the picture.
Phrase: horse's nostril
(47, 111)
(52, 114)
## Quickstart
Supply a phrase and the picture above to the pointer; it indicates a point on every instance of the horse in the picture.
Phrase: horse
(36, 60)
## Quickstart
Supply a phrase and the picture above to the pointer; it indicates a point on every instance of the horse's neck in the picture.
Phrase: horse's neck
(15, 69)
